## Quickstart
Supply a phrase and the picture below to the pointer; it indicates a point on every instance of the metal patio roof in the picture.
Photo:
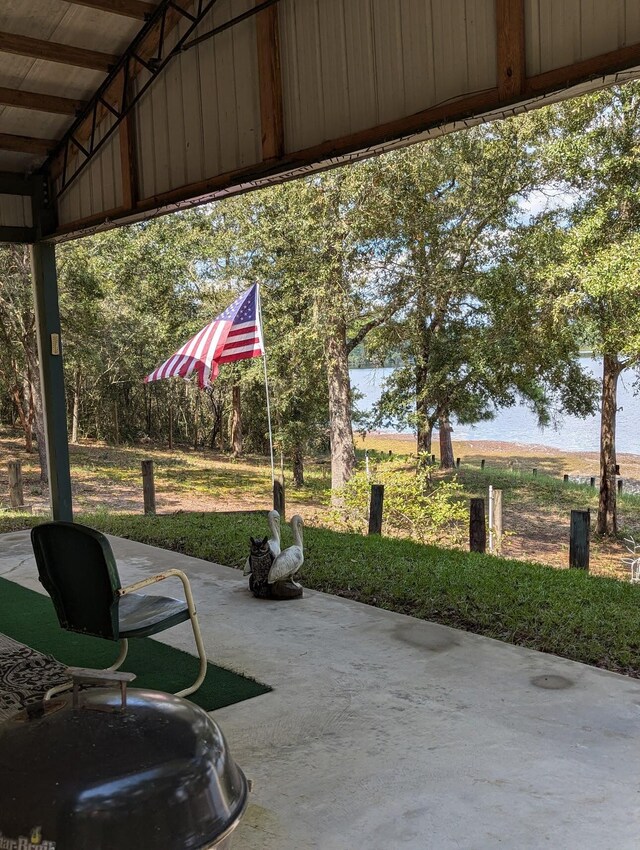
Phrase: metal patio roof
(112, 110)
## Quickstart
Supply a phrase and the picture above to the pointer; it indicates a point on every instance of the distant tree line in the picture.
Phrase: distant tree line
(432, 255)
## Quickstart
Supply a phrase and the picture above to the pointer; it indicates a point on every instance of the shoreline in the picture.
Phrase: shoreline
(503, 453)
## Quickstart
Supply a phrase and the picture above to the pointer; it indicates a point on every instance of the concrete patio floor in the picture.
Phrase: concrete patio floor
(387, 732)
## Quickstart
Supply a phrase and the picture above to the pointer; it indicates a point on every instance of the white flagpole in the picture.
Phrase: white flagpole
(266, 387)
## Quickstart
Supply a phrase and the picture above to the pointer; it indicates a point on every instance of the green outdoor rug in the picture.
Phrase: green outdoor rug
(29, 618)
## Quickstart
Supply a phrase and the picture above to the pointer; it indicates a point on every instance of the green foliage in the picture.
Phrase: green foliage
(415, 505)
(594, 273)
(472, 330)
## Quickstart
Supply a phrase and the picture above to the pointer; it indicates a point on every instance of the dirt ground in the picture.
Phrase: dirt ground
(541, 533)
(108, 478)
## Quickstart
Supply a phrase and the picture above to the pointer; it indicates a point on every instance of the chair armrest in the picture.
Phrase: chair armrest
(138, 585)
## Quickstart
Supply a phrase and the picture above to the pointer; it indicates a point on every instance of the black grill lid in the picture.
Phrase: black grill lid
(154, 774)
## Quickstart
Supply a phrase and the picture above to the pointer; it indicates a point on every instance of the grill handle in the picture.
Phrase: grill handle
(101, 679)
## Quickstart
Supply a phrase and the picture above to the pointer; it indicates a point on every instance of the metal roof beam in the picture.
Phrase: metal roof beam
(40, 102)
(65, 54)
(25, 235)
(146, 46)
(149, 50)
(128, 8)
(26, 144)
(588, 69)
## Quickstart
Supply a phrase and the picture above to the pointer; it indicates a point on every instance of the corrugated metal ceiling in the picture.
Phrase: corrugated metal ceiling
(251, 100)
(62, 23)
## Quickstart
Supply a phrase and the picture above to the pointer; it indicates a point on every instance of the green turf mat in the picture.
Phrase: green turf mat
(29, 618)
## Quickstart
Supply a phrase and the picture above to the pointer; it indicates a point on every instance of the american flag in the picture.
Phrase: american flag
(233, 335)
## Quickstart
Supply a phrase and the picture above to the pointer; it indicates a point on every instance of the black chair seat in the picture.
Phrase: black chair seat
(141, 615)
(77, 567)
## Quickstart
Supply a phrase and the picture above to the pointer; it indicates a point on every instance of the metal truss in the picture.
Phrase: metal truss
(80, 144)
(121, 75)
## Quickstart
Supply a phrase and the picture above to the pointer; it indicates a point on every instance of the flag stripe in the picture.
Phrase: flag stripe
(232, 357)
(242, 343)
(239, 349)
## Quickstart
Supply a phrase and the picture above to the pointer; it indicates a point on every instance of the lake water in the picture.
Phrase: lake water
(518, 424)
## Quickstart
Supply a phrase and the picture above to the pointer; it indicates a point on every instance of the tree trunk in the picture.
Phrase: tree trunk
(38, 412)
(75, 415)
(446, 449)
(147, 401)
(424, 426)
(236, 422)
(424, 335)
(25, 419)
(298, 466)
(116, 422)
(196, 421)
(607, 522)
(221, 434)
(343, 455)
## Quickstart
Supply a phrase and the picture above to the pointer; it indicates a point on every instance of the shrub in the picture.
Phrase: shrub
(415, 506)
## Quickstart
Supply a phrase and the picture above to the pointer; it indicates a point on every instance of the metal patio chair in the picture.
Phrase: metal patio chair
(78, 570)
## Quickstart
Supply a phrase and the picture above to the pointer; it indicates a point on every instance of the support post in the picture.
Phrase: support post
(579, 540)
(477, 527)
(270, 83)
(457, 463)
(278, 498)
(619, 485)
(565, 478)
(45, 294)
(16, 492)
(510, 32)
(482, 464)
(375, 508)
(496, 520)
(148, 487)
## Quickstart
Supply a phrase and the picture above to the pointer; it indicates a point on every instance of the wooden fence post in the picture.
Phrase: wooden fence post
(482, 464)
(619, 485)
(16, 493)
(579, 540)
(535, 471)
(565, 478)
(592, 482)
(477, 527)
(497, 521)
(375, 508)
(148, 487)
(457, 463)
(278, 498)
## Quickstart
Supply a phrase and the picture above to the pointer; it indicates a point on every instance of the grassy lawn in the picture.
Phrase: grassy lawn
(567, 612)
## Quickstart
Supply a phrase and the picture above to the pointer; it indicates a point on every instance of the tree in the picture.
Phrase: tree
(18, 334)
(128, 298)
(596, 274)
(471, 333)
(303, 241)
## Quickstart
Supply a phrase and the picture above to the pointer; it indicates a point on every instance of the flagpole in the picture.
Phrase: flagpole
(266, 387)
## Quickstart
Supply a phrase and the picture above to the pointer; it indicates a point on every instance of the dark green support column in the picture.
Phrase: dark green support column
(45, 294)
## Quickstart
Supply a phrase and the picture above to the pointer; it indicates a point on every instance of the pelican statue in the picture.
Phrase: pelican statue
(273, 519)
(287, 563)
